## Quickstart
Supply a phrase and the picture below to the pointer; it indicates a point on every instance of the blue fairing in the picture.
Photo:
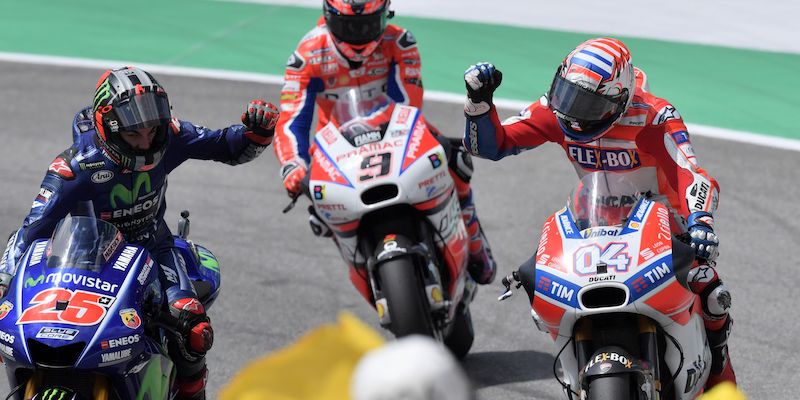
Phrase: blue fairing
(107, 335)
(205, 278)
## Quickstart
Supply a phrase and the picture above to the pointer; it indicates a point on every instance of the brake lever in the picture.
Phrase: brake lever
(511, 279)
(292, 203)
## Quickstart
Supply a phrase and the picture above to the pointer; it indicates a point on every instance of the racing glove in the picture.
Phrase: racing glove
(200, 336)
(481, 80)
(260, 119)
(703, 240)
(293, 173)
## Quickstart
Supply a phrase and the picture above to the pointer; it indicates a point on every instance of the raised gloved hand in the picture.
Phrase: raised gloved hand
(200, 337)
(481, 80)
(260, 119)
(5, 281)
(703, 240)
(293, 173)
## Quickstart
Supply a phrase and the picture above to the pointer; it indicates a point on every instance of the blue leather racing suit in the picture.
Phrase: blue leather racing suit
(133, 201)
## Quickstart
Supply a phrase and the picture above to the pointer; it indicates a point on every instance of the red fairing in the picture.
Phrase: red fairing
(550, 247)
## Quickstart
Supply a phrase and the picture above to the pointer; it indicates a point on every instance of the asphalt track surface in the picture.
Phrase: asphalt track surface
(279, 281)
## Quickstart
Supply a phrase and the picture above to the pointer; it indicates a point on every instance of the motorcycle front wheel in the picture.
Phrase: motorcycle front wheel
(405, 296)
(610, 387)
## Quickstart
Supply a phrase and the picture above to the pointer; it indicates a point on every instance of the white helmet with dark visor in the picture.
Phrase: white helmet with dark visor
(592, 89)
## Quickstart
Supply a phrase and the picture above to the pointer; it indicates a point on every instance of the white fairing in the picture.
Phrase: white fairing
(408, 156)
(642, 274)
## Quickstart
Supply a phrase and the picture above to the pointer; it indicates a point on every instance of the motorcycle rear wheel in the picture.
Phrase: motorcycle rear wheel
(405, 297)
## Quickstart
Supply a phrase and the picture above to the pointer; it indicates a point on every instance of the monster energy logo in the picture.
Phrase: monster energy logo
(207, 260)
(56, 394)
(102, 93)
(30, 282)
(126, 195)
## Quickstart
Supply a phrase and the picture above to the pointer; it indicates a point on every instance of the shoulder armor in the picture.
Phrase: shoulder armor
(62, 165)
(295, 62)
(406, 41)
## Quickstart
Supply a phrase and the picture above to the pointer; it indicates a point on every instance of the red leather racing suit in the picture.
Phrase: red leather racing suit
(650, 144)
(317, 74)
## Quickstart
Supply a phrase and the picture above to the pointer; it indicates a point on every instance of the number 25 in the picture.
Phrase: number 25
(83, 308)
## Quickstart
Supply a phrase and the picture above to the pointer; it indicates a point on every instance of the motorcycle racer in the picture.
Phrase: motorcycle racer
(600, 110)
(354, 46)
(124, 147)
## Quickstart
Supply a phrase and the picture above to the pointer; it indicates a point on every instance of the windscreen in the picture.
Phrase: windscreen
(602, 198)
(361, 116)
(83, 243)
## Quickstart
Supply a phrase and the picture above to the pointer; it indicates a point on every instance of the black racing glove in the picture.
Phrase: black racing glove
(482, 80)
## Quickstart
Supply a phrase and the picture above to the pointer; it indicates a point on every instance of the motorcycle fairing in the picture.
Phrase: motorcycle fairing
(648, 279)
(427, 186)
(123, 353)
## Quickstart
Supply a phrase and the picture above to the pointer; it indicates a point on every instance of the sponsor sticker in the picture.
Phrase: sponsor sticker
(130, 317)
(122, 341)
(115, 356)
(5, 308)
(102, 176)
(57, 333)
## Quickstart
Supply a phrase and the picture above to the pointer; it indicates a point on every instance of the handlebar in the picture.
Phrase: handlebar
(172, 324)
(304, 190)
(508, 280)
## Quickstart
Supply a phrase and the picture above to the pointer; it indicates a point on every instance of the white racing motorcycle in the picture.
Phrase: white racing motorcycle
(608, 284)
(379, 181)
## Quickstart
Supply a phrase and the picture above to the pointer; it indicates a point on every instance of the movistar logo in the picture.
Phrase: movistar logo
(128, 196)
(30, 282)
(55, 394)
(102, 93)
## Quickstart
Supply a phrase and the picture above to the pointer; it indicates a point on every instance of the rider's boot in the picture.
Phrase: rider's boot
(193, 387)
(716, 301)
(721, 368)
(481, 265)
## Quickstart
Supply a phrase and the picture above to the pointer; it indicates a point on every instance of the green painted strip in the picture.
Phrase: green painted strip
(729, 88)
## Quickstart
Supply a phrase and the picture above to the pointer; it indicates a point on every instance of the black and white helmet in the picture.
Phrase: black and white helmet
(127, 99)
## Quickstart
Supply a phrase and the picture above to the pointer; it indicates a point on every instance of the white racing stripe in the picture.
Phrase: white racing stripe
(443, 97)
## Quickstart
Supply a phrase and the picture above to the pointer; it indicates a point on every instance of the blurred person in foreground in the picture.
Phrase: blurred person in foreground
(350, 360)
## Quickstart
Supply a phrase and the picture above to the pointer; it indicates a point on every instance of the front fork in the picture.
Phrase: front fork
(650, 376)
(435, 294)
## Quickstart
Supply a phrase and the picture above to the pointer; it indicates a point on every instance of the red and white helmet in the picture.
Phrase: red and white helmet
(357, 26)
(592, 88)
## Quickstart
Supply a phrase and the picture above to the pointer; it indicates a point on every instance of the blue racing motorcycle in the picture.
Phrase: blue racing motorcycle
(85, 316)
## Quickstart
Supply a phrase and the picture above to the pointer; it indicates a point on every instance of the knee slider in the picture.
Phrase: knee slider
(716, 300)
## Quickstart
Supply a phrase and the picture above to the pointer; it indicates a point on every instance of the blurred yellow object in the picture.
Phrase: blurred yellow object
(724, 391)
(316, 367)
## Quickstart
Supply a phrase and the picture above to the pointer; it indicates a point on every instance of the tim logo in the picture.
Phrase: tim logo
(605, 159)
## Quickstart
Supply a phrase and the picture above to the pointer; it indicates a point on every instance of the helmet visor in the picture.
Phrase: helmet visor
(582, 104)
(143, 110)
(356, 29)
